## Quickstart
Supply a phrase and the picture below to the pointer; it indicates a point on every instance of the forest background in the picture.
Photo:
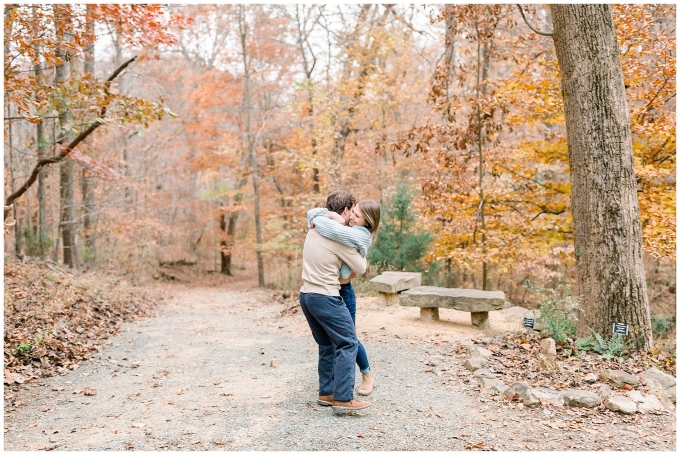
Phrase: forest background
(206, 150)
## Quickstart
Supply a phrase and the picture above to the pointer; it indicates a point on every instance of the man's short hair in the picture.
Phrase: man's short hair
(337, 201)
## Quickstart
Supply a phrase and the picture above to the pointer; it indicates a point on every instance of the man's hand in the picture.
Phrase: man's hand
(335, 217)
(353, 275)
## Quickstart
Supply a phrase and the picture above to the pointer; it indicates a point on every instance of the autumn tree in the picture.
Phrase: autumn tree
(607, 231)
(83, 103)
(491, 211)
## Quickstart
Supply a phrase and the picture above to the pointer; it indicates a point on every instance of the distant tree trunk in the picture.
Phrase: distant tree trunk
(88, 180)
(17, 224)
(225, 244)
(308, 67)
(449, 59)
(42, 177)
(607, 231)
(67, 171)
(243, 29)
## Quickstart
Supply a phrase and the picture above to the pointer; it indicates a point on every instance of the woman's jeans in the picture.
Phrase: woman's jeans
(347, 294)
(333, 330)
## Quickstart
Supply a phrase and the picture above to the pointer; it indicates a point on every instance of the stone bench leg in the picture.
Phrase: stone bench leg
(480, 319)
(388, 298)
(429, 314)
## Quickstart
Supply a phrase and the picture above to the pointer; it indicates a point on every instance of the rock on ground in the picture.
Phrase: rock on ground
(522, 391)
(484, 373)
(620, 378)
(478, 351)
(550, 396)
(475, 363)
(617, 403)
(580, 398)
(650, 403)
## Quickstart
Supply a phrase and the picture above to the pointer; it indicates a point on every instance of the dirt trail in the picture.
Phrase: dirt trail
(199, 376)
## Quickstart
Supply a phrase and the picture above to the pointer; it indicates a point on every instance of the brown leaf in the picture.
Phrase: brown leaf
(89, 392)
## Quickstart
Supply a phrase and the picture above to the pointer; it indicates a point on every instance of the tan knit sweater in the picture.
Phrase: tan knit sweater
(321, 261)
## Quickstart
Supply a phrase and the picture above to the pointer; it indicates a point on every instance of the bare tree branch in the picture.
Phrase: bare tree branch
(65, 150)
(527, 22)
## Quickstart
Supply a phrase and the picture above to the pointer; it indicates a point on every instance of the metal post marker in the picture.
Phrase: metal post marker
(620, 328)
(529, 323)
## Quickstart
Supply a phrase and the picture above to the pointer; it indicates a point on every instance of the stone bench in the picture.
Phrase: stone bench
(431, 298)
(389, 284)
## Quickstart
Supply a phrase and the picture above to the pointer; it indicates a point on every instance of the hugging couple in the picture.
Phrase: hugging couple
(337, 241)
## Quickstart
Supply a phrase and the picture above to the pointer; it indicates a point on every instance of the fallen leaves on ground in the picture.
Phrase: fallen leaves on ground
(56, 318)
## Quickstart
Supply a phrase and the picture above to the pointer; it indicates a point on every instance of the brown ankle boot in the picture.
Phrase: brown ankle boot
(367, 383)
(325, 400)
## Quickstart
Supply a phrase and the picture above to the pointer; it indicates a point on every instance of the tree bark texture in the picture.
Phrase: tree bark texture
(88, 180)
(243, 28)
(67, 171)
(225, 244)
(606, 215)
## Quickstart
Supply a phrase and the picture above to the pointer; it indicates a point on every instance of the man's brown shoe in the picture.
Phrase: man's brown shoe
(353, 405)
(325, 400)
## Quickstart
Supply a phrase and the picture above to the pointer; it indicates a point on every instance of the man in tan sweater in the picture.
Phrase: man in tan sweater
(328, 316)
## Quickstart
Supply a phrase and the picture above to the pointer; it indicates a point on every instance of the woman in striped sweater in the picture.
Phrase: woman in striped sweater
(359, 232)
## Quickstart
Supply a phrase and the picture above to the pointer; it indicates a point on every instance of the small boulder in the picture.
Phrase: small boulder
(625, 405)
(549, 396)
(478, 351)
(620, 378)
(604, 392)
(522, 392)
(546, 363)
(484, 373)
(493, 384)
(654, 374)
(590, 378)
(548, 347)
(465, 343)
(650, 403)
(636, 396)
(657, 389)
(497, 386)
(580, 398)
(475, 363)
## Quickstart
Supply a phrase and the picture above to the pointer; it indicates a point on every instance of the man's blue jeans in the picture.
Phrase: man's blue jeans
(347, 294)
(333, 330)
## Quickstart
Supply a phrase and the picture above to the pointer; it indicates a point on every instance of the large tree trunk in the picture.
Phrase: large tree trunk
(243, 28)
(67, 171)
(607, 232)
(87, 178)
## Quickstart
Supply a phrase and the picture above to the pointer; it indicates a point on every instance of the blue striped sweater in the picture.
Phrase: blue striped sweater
(356, 236)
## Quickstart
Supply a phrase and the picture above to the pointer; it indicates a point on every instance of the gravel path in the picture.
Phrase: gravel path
(221, 370)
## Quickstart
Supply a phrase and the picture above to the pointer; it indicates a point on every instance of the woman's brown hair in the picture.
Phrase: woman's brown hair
(371, 211)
